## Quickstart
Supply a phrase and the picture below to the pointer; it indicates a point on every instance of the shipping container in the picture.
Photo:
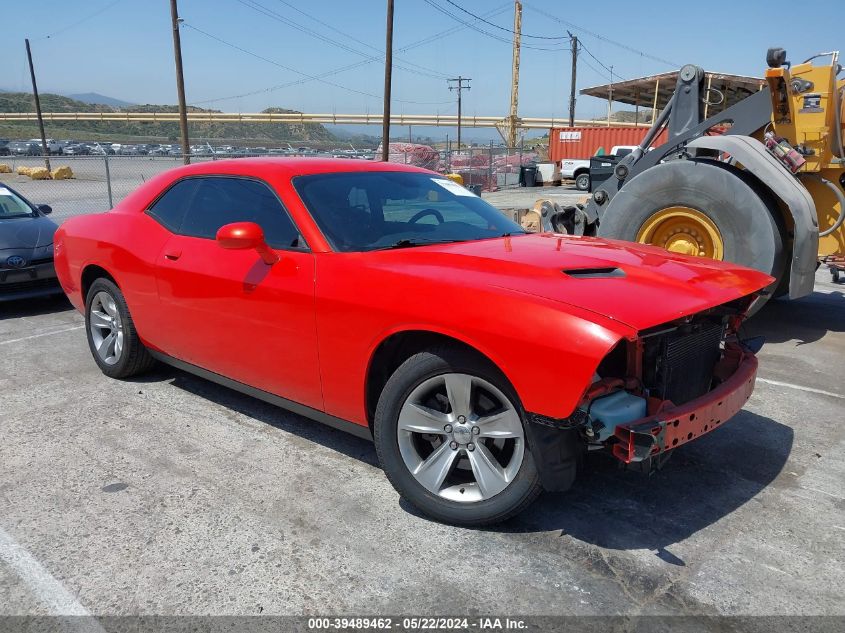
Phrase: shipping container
(583, 142)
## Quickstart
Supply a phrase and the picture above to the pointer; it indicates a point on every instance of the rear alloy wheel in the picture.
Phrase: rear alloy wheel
(114, 343)
(450, 437)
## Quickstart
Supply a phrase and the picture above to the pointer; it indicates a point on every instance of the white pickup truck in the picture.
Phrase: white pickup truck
(579, 169)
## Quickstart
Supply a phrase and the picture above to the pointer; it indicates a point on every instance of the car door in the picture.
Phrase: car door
(226, 310)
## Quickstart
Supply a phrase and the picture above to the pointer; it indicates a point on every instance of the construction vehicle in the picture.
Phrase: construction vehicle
(761, 183)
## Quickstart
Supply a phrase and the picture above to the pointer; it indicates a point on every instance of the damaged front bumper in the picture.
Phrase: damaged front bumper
(668, 426)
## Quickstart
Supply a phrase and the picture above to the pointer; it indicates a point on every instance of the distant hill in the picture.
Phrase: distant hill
(257, 132)
(629, 116)
(95, 97)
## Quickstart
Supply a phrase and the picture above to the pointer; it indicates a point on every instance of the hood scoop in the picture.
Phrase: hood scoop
(594, 273)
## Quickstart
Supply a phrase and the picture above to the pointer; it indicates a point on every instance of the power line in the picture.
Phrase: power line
(407, 47)
(293, 70)
(602, 64)
(256, 6)
(355, 39)
(601, 37)
(82, 21)
(502, 28)
(487, 33)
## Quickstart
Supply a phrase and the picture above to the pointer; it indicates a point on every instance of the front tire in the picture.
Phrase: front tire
(449, 435)
(112, 338)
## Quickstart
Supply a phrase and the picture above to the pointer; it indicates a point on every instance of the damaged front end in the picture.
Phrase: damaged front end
(668, 386)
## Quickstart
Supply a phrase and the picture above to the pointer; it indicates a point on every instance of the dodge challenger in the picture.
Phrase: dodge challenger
(391, 302)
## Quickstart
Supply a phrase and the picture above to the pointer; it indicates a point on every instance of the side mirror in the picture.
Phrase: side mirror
(246, 235)
(46, 209)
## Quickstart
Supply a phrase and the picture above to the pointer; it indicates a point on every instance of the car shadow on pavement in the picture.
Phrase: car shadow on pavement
(703, 482)
(609, 507)
(277, 417)
(35, 307)
(807, 319)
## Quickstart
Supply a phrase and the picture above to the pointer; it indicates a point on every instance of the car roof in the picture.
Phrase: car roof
(290, 166)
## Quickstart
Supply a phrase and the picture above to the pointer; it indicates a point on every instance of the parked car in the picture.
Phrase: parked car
(77, 149)
(4, 147)
(53, 146)
(24, 148)
(390, 301)
(101, 149)
(579, 169)
(26, 248)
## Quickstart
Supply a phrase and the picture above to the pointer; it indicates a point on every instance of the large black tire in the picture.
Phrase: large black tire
(518, 495)
(134, 358)
(751, 227)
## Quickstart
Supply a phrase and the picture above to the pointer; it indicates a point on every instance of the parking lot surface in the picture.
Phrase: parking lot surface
(171, 495)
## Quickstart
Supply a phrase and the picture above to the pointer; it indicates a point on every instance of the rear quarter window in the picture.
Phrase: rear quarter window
(171, 207)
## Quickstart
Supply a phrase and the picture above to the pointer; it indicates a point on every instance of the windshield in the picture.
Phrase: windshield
(363, 211)
(12, 205)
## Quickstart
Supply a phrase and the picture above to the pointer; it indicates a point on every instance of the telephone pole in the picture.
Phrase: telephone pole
(610, 97)
(388, 72)
(459, 86)
(517, 36)
(180, 82)
(44, 147)
(573, 46)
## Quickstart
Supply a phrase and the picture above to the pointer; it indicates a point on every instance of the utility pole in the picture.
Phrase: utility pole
(573, 46)
(459, 86)
(610, 97)
(44, 147)
(180, 82)
(388, 72)
(517, 35)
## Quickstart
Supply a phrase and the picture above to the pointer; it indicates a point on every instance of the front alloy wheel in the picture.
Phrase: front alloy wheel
(460, 437)
(449, 434)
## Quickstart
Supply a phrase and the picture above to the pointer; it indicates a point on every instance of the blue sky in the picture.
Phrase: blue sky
(124, 49)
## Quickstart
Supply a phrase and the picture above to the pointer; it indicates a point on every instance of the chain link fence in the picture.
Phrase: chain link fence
(99, 182)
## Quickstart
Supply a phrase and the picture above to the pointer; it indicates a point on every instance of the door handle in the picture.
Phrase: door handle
(173, 254)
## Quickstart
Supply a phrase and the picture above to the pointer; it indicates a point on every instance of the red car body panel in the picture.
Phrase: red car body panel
(307, 327)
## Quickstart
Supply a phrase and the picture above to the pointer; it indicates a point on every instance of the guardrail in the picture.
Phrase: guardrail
(432, 120)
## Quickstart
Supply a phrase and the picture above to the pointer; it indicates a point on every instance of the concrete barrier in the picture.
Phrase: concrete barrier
(39, 173)
(5, 169)
(62, 173)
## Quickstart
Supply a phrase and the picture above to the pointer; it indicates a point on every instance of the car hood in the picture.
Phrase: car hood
(637, 285)
(26, 233)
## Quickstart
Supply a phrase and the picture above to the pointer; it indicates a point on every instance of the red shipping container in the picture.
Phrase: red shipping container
(583, 142)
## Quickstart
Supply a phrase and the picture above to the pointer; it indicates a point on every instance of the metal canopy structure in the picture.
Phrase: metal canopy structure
(653, 92)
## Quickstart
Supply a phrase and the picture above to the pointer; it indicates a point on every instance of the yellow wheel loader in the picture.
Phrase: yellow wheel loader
(761, 184)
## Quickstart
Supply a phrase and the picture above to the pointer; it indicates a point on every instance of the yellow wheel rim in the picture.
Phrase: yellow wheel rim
(683, 230)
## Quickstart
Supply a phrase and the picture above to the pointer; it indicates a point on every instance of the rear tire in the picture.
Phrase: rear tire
(467, 492)
(582, 182)
(748, 221)
(112, 338)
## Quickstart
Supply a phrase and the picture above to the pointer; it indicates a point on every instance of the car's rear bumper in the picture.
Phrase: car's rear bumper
(673, 426)
(30, 282)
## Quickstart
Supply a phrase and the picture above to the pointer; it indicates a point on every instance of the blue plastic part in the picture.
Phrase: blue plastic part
(620, 407)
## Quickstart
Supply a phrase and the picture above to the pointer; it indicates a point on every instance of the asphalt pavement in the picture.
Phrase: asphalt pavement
(168, 495)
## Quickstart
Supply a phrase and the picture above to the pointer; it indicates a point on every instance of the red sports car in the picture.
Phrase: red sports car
(392, 302)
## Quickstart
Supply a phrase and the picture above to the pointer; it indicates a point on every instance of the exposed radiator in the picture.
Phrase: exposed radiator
(678, 366)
